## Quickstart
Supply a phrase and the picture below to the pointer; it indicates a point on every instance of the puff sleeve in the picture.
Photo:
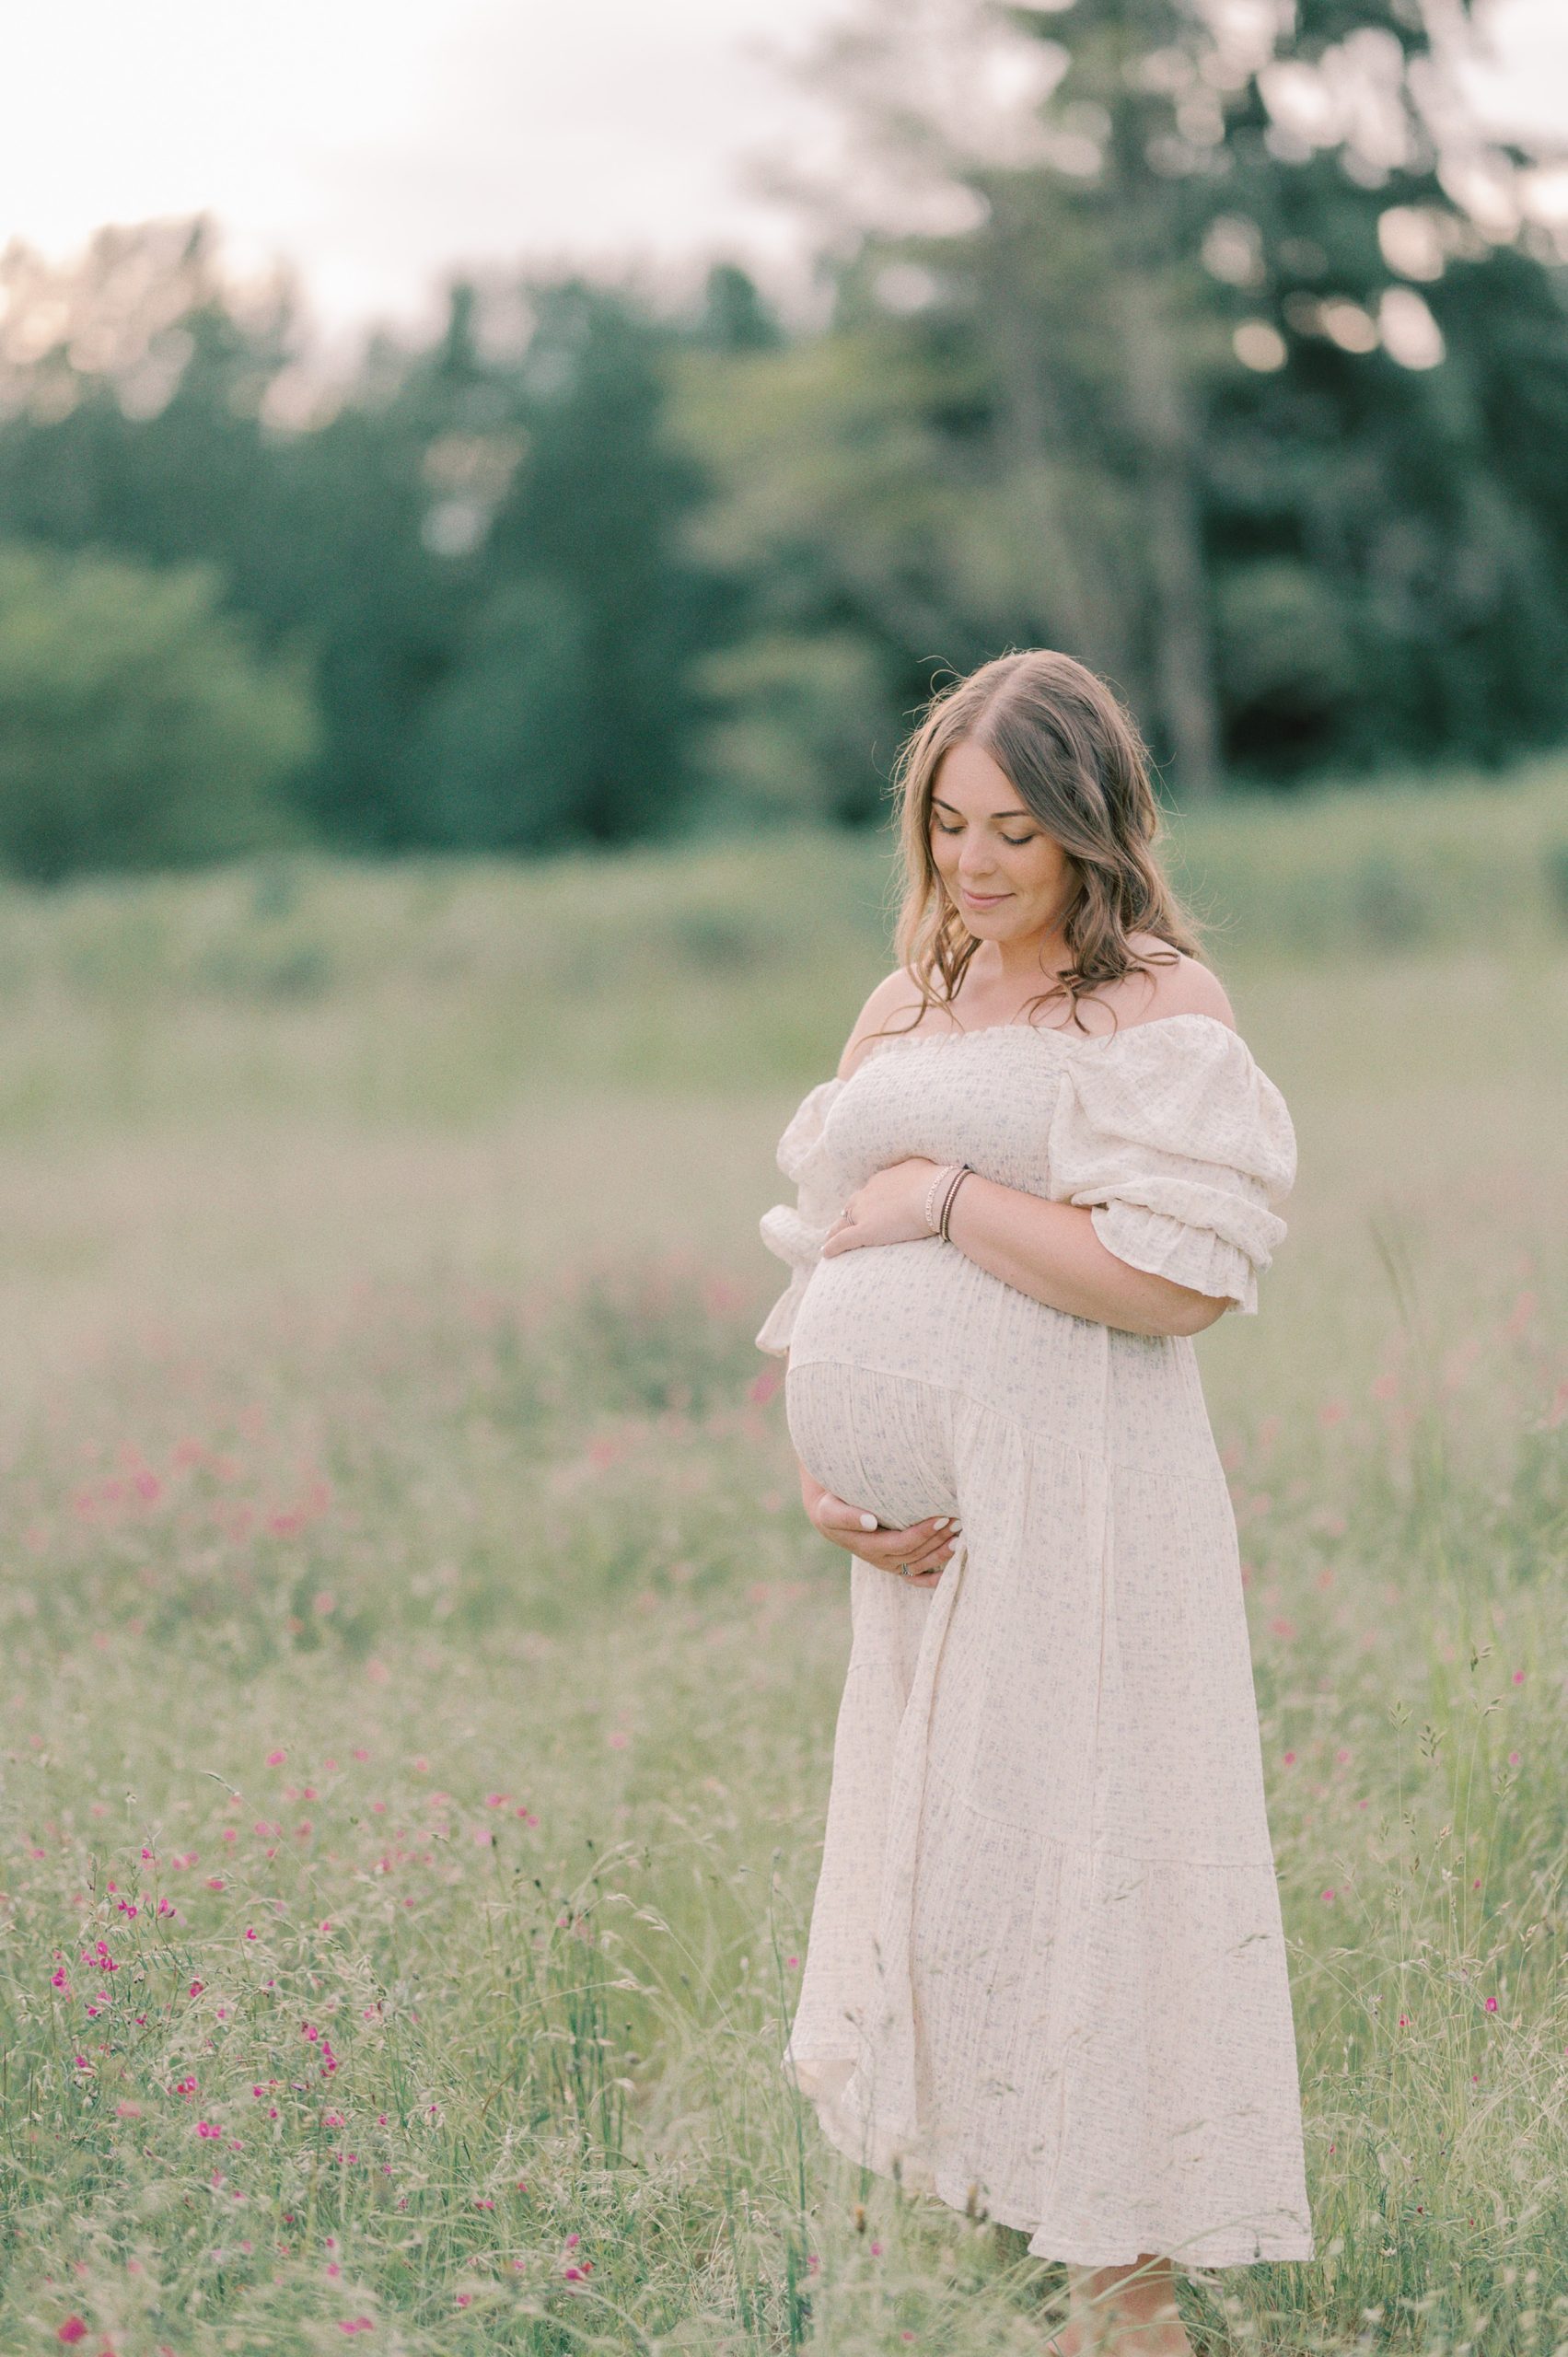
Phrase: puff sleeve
(796, 1231)
(1182, 1148)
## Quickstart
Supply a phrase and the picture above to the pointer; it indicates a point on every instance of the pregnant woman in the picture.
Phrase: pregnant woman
(1046, 1977)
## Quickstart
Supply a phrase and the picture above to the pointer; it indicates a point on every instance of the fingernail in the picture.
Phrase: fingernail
(941, 1522)
(869, 1522)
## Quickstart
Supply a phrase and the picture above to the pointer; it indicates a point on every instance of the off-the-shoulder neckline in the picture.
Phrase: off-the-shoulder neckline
(1036, 1030)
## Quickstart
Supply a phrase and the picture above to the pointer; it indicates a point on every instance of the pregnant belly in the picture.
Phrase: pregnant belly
(925, 1310)
(892, 1306)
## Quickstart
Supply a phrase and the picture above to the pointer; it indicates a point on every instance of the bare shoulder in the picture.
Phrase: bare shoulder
(895, 994)
(1175, 984)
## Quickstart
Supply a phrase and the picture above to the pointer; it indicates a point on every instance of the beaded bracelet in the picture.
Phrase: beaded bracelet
(930, 1197)
(936, 1196)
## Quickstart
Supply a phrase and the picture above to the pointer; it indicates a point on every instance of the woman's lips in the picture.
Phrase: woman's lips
(983, 900)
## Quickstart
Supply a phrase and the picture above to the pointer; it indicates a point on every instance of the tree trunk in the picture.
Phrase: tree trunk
(1038, 453)
(1165, 432)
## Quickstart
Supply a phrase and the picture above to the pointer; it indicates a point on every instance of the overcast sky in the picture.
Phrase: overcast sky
(379, 142)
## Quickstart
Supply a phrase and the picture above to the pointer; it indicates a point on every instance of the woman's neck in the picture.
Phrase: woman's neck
(1016, 970)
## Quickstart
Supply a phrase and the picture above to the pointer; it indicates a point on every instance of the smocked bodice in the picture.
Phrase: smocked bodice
(1168, 1130)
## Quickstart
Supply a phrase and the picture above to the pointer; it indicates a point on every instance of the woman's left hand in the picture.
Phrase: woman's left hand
(889, 1208)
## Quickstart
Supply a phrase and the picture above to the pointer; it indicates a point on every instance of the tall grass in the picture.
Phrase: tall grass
(434, 988)
(420, 1678)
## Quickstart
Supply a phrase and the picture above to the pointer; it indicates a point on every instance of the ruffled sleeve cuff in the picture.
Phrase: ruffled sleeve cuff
(1188, 1256)
(796, 1232)
(1180, 1147)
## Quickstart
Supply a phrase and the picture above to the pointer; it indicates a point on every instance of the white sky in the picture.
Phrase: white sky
(378, 143)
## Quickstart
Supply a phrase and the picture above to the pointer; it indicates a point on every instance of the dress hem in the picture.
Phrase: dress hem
(1258, 2249)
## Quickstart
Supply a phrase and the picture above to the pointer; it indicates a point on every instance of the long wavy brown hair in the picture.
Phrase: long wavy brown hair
(1073, 753)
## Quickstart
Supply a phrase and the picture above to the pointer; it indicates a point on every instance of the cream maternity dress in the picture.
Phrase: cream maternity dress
(1046, 1972)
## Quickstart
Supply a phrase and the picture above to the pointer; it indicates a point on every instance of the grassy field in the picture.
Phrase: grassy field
(420, 1677)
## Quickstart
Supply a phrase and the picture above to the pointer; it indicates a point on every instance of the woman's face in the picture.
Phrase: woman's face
(1005, 876)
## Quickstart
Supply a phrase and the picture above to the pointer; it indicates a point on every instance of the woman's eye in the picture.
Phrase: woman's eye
(1016, 840)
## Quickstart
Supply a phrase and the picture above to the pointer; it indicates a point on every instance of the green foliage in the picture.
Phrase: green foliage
(596, 509)
(502, 758)
(342, 559)
(1261, 426)
(483, 556)
(1287, 651)
(441, 988)
(1232, 364)
(138, 727)
(735, 316)
(799, 717)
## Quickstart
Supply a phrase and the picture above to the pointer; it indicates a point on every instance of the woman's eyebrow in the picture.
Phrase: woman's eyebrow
(1016, 812)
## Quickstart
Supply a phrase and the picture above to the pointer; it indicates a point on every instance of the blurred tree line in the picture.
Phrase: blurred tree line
(1205, 338)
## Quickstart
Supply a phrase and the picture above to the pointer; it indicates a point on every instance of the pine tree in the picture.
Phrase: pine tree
(1241, 349)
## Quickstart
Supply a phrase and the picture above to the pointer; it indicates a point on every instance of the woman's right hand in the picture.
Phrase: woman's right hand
(926, 1547)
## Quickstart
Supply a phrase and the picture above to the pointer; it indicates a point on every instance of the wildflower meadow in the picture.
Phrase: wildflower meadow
(420, 1677)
